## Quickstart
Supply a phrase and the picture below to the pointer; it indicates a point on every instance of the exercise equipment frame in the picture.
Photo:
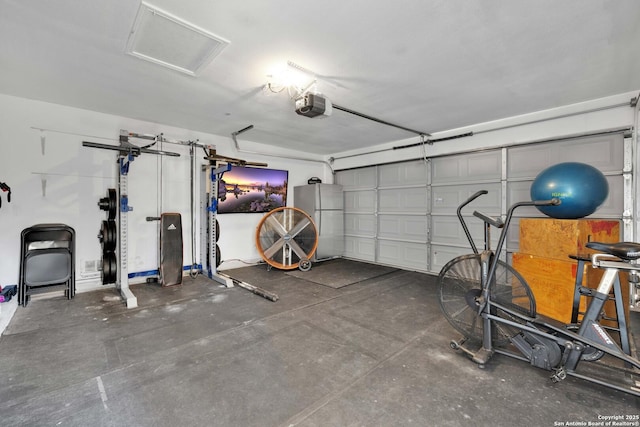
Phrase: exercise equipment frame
(208, 230)
(127, 153)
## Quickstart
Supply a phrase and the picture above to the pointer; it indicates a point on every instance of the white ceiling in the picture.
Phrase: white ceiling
(428, 65)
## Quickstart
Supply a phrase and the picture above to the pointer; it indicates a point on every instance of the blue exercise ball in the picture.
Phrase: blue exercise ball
(581, 189)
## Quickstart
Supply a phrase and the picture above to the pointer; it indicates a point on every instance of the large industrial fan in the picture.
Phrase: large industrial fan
(287, 238)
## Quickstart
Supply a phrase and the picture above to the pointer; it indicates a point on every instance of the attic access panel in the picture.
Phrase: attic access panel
(164, 39)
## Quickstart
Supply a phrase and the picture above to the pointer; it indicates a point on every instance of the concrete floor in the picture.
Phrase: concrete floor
(375, 353)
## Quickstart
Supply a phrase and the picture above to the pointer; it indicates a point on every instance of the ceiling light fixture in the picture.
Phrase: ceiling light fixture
(291, 77)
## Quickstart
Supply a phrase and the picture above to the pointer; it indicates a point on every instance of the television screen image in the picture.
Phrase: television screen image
(249, 190)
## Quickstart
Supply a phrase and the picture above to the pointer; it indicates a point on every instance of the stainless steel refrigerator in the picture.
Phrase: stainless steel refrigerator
(324, 203)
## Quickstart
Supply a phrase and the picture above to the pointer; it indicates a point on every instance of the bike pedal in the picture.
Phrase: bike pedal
(559, 375)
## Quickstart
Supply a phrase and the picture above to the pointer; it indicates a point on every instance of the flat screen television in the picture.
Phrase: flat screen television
(246, 189)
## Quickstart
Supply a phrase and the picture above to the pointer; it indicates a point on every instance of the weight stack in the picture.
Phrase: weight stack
(170, 249)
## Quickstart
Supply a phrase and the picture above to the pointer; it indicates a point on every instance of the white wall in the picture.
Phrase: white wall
(64, 183)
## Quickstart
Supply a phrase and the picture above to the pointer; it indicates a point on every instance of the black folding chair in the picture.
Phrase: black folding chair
(47, 261)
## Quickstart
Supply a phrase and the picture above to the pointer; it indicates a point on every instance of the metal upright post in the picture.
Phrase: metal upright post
(204, 220)
(124, 160)
(212, 211)
(213, 174)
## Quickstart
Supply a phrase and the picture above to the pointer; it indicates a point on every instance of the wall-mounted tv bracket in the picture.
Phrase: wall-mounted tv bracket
(127, 152)
(4, 187)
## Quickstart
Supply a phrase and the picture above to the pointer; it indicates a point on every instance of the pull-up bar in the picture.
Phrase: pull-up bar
(126, 148)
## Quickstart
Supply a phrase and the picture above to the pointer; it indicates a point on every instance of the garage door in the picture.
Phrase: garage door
(404, 214)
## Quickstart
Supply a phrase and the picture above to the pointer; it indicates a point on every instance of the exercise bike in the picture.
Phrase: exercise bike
(491, 305)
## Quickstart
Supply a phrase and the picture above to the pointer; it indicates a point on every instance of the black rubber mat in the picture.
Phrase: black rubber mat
(338, 273)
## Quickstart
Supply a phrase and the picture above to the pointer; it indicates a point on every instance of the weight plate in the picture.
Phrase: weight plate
(218, 256)
(217, 229)
(109, 203)
(102, 234)
(108, 236)
(113, 203)
(112, 235)
(109, 268)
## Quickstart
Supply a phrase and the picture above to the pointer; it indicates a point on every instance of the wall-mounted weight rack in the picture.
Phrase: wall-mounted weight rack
(127, 152)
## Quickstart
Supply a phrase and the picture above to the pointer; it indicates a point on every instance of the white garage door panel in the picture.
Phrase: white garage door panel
(604, 153)
(412, 200)
(360, 248)
(403, 227)
(403, 254)
(471, 167)
(360, 201)
(403, 174)
(614, 203)
(359, 212)
(446, 199)
(446, 230)
(513, 236)
(357, 178)
(359, 225)
(440, 255)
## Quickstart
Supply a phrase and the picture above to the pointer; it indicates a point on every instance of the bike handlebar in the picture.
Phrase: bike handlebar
(461, 219)
(550, 202)
(499, 224)
(472, 198)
